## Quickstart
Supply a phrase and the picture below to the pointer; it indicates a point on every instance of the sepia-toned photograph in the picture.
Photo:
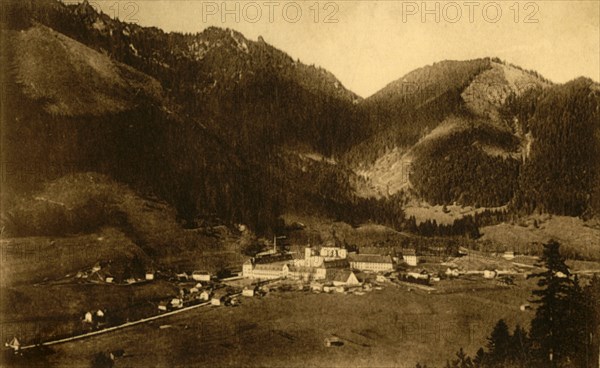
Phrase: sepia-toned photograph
(300, 184)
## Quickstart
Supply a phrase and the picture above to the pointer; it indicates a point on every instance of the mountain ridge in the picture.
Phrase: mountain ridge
(252, 104)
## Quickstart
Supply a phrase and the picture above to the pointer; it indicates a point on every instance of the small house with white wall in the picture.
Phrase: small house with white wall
(489, 274)
(410, 257)
(218, 297)
(452, 272)
(249, 292)
(344, 278)
(201, 276)
(509, 255)
(14, 344)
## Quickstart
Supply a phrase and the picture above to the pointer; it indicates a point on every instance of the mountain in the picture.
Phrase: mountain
(441, 127)
(483, 133)
(81, 111)
(242, 89)
(561, 174)
(217, 129)
(223, 127)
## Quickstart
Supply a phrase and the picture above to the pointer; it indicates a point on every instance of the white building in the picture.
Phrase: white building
(248, 292)
(333, 252)
(345, 278)
(509, 255)
(265, 271)
(201, 276)
(307, 273)
(410, 257)
(313, 267)
(14, 344)
(205, 295)
(374, 263)
(489, 274)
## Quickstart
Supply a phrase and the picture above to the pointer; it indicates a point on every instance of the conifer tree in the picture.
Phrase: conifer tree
(499, 344)
(520, 347)
(550, 326)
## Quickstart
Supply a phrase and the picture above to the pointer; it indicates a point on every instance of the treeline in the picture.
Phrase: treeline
(465, 226)
(563, 333)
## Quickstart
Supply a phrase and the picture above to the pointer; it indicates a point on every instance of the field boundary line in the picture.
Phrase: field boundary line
(115, 328)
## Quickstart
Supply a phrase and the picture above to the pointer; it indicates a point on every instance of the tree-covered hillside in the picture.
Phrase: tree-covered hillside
(472, 165)
(238, 88)
(52, 127)
(562, 172)
(407, 109)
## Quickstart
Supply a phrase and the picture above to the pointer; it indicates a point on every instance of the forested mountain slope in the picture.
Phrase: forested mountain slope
(223, 127)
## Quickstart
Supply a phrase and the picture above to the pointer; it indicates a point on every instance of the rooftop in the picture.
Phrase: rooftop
(370, 258)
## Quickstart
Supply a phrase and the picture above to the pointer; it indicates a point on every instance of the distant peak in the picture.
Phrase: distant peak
(85, 8)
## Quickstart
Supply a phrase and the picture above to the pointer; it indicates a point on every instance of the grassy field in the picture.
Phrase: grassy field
(577, 238)
(47, 312)
(392, 327)
(34, 259)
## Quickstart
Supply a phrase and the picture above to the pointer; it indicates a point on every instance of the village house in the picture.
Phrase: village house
(524, 307)
(423, 275)
(201, 276)
(177, 303)
(163, 306)
(381, 278)
(343, 278)
(452, 272)
(373, 263)
(149, 275)
(315, 286)
(219, 297)
(249, 292)
(205, 295)
(489, 274)
(182, 276)
(509, 255)
(97, 267)
(14, 344)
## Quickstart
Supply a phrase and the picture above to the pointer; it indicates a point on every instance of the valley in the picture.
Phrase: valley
(146, 172)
